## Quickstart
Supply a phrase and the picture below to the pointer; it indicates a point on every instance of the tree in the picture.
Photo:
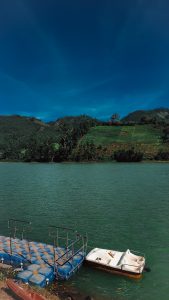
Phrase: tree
(128, 156)
(86, 151)
(166, 135)
(115, 118)
(162, 156)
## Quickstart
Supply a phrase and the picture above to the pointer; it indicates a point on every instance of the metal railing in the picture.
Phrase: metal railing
(18, 228)
(71, 246)
(66, 242)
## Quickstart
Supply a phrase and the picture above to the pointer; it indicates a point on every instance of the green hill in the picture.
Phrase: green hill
(17, 134)
(160, 115)
(106, 135)
(77, 138)
(25, 138)
(21, 128)
(145, 138)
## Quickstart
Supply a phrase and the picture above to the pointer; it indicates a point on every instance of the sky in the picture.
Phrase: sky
(72, 57)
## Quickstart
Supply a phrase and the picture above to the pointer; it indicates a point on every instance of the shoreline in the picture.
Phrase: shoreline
(54, 291)
(87, 162)
(6, 294)
(54, 294)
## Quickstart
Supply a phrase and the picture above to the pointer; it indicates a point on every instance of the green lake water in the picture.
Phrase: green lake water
(120, 206)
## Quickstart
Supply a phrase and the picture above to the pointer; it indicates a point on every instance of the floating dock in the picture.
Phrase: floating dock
(42, 263)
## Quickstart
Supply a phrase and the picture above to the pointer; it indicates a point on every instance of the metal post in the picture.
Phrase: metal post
(57, 238)
(54, 255)
(12, 225)
(29, 250)
(67, 243)
(11, 247)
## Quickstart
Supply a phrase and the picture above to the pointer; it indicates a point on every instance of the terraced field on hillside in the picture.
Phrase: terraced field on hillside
(106, 135)
(145, 138)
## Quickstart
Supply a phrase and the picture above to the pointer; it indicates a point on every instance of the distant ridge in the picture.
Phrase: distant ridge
(83, 138)
(158, 114)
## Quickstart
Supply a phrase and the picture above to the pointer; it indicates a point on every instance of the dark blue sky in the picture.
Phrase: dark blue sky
(69, 57)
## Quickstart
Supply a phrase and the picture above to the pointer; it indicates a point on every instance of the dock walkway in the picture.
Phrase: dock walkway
(40, 263)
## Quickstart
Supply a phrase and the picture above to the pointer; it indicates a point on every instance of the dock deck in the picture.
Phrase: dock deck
(42, 263)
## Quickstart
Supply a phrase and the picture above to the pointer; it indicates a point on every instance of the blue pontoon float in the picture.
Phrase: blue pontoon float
(42, 263)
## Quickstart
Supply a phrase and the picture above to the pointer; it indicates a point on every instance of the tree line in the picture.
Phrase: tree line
(61, 141)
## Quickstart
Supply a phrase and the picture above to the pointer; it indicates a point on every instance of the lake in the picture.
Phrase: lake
(119, 205)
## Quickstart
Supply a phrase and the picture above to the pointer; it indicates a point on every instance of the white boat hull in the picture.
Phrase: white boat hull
(121, 263)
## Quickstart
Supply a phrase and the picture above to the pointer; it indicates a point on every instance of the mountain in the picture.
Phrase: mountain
(82, 137)
(21, 128)
(17, 134)
(20, 125)
(160, 115)
(75, 121)
(29, 138)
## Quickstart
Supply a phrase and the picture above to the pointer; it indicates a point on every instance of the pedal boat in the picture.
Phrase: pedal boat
(121, 263)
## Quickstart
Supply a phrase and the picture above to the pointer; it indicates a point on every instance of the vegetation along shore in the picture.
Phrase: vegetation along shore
(53, 292)
(141, 135)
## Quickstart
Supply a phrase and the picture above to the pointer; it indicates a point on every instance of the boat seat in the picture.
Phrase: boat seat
(131, 268)
(120, 260)
(136, 260)
(131, 259)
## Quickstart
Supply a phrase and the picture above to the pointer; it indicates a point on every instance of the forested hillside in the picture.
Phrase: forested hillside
(29, 139)
(159, 115)
(83, 138)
